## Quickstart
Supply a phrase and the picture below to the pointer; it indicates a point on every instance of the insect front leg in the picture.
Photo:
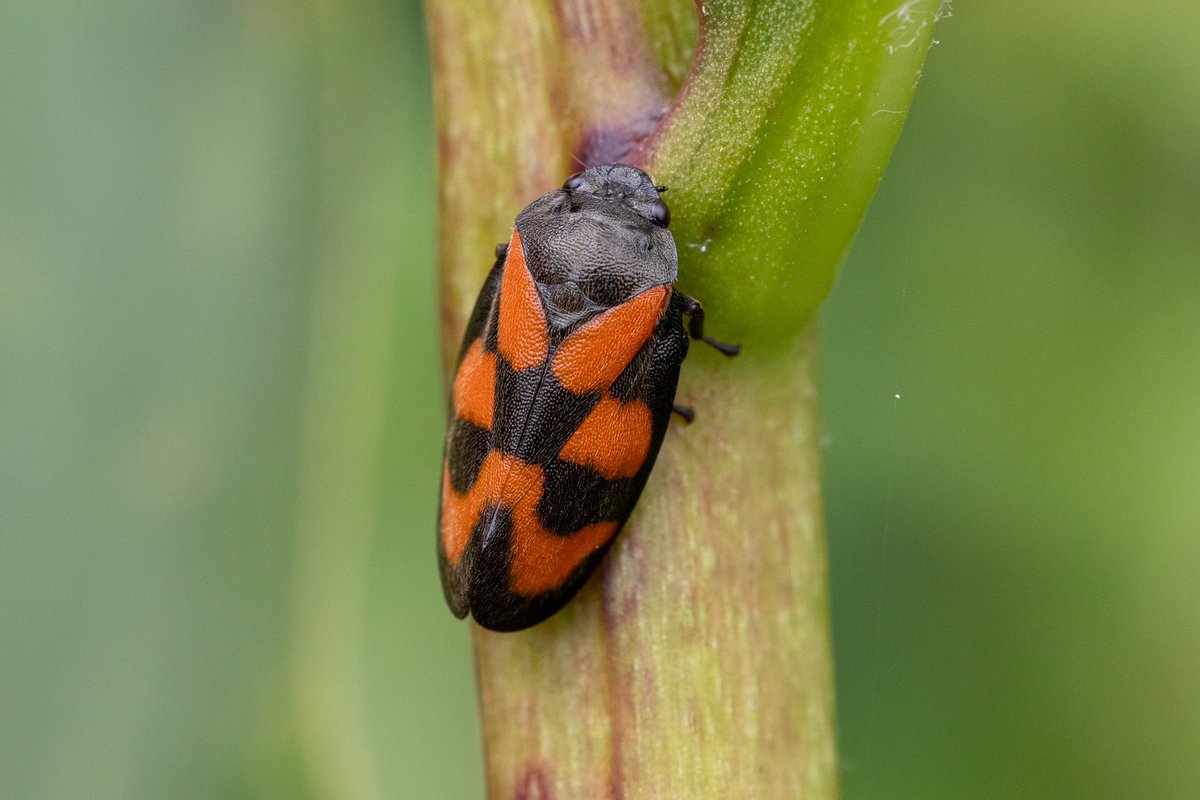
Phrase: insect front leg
(695, 314)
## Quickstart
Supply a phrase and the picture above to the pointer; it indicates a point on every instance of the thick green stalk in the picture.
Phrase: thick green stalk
(696, 663)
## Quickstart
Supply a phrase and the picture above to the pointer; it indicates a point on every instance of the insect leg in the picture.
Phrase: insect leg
(695, 313)
(685, 412)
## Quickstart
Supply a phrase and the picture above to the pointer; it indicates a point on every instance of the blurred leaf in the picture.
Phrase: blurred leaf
(154, 275)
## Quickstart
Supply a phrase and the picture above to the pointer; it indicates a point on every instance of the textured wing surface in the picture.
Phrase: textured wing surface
(538, 482)
(468, 441)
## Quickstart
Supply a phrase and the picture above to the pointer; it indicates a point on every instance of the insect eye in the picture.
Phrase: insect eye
(660, 215)
(574, 182)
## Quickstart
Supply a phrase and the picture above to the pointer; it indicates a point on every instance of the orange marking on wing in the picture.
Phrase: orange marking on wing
(613, 440)
(592, 357)
(510, 482)
(523, 337)
(541, 559)
(503, 480)
(459, 514)
(475, 386)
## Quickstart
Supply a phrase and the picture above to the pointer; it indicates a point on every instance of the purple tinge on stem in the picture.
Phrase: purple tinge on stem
(534, 785)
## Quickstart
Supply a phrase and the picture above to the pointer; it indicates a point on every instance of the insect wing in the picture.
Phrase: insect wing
(538, 481)
(468, 441)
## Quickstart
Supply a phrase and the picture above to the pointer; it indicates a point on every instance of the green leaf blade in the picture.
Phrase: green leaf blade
(783, 132)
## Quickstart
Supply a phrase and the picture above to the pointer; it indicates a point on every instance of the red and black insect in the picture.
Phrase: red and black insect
(565, 384)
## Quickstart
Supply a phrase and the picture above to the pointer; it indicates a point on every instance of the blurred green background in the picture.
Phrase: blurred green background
(220, 412)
